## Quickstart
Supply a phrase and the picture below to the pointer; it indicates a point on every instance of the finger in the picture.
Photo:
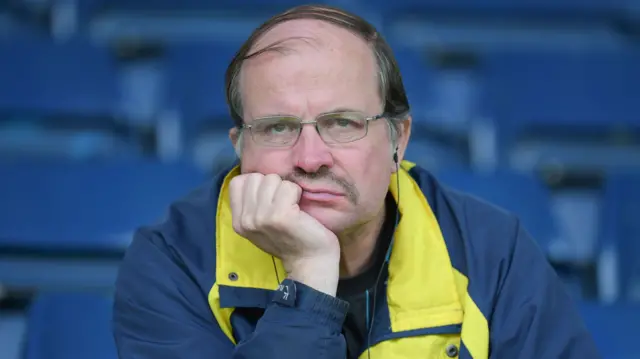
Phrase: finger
(287, 194)
(250, 195)
(236, 194)
(266, 194)
(267, 190)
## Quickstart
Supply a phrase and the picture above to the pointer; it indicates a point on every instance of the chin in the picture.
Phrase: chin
(334, 220)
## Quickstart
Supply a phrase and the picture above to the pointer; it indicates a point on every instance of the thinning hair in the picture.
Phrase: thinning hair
(391, 88)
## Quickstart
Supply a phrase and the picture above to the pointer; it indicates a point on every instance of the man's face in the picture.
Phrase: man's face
(330, 69)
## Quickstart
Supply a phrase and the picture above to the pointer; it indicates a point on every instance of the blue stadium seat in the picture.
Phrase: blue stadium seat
(621, 230)
(192, 6)
(12, 330)
(86, 206)
(520, 194)
(46, 78)
(614, 329)
(60, 100)
(537, 89)
(560, 108)
(70, 326)
(196, 74)
(434, 156)
(495, 8)
(212, 150)
(417, 76)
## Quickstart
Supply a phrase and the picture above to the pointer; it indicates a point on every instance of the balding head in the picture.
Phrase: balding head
(390, 87)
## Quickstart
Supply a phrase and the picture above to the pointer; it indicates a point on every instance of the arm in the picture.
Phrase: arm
(160, 313)
(533, 316)
(304, 324)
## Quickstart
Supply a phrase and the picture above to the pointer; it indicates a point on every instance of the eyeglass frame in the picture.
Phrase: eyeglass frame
(315, 123)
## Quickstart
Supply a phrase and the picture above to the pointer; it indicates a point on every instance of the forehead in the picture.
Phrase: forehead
(319, 67)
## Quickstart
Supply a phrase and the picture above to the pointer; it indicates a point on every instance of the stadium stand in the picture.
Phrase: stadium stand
(110, 110)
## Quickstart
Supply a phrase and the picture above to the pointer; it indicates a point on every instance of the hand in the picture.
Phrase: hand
(265, 210)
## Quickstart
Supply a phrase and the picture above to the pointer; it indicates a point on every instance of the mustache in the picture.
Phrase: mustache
(325, 175)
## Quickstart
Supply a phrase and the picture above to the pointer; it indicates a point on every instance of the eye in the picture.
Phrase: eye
(343, 122)
(278, 127)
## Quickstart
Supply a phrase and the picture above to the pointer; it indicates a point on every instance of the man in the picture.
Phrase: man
(323, 243)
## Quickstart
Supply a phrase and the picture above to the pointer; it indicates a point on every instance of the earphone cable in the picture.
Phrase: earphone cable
(386, 262)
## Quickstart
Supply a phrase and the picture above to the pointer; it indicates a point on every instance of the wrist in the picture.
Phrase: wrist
(319, 273)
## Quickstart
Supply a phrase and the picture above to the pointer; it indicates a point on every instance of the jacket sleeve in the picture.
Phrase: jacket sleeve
(534, 316)
(161, 313)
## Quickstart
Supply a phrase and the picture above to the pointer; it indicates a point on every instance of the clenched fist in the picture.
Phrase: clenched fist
(265, 210)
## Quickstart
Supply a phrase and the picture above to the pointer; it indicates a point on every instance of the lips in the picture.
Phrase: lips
(326, 191)
(320, 194)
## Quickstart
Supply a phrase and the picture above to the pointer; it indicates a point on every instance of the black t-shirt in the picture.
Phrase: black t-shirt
(360, 289)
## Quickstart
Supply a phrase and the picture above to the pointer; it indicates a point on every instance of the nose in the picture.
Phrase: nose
(311, 152)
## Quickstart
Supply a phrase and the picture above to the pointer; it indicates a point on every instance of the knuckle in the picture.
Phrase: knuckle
(247, 224)
(256, 177)
(278, 220)
(273, 178)
(291, 187)
(235, 183)
(237, 227)
(261, 220)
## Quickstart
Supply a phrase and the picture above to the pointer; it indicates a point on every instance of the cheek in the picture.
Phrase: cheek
(370, 171)
(263, 160)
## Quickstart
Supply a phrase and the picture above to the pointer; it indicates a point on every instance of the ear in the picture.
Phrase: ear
(233, 136)
(402, 140)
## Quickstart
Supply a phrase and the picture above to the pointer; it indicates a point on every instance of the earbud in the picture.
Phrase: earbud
(395, 156)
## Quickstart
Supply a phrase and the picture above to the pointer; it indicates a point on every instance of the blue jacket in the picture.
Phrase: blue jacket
(464, 280)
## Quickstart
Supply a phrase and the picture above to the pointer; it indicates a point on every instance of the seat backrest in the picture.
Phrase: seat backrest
(196, 74)
(72, 78)
(521, 194)
(70, 326)
(614, 328)
(578, 89)
(569, 8)
(167, 6)
(426, 153)
(84, 204)
(621, 228)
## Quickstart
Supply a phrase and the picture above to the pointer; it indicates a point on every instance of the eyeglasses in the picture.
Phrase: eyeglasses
(281, 131)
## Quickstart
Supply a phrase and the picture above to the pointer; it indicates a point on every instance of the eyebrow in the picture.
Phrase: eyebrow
(335, 110)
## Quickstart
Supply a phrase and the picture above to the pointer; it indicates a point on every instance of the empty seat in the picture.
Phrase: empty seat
(494, 8)
(86, 206)
(417, 77)
(196, 73)
(621, 233)
(527, 90)
(434, 156)
(44, 77)
(614, 329)
(561, 108)
(70, 326)
(12, 330)
(523, 195)
(193, 6)
(213, 151)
